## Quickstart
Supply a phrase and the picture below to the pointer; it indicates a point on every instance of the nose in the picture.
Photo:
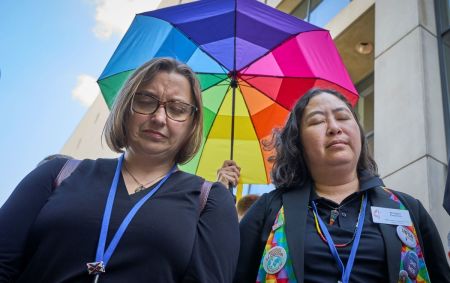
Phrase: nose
(333, 128)
(159, 115)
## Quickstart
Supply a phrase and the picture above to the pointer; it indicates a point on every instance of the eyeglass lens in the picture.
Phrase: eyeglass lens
(175, 110)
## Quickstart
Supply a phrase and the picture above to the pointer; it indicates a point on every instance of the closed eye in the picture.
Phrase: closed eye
(316, 122)
(179, 107)
(144, 99)
(342, 117)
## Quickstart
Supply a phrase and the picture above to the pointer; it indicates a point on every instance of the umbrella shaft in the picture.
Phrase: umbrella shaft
(233, 84)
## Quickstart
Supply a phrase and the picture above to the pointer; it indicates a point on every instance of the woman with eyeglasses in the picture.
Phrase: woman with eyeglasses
(137, 218)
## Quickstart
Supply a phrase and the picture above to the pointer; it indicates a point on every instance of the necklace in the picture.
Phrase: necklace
(141, 186)
(319, 231)
(344, 269)
(102, 257)
(334, 211)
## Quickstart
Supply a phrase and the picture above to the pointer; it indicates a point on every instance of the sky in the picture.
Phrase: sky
(51, 54)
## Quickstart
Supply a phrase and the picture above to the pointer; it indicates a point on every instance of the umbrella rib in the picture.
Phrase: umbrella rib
(252, 86)
(252, 76)
(279, 44)
(112, 75)
(290, 77)
(209, 131)
(254, 129)
(192, 40)
(217, 84)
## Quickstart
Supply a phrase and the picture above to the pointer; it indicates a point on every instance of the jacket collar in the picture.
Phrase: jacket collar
(366, 183)
(295, 203)
(392, 243)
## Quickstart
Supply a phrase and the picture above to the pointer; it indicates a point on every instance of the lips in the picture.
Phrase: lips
(154, 133)
(336, 142)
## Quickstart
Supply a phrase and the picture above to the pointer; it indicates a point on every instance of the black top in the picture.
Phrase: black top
(370, 261)
(49, 236)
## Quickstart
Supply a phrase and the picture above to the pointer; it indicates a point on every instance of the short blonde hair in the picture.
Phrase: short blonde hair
(115, 130)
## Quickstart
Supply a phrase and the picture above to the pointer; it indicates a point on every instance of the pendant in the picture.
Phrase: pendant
(138, 189)
(96, 267)
(333, 216)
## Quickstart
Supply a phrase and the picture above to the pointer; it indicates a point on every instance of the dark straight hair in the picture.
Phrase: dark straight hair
(290, 167)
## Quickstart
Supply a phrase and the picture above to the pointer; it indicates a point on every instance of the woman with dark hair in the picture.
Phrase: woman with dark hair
(136, 218)
(330, 218)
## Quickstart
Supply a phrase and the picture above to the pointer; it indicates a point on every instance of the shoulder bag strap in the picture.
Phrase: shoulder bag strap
(66, 171)
(204, 192)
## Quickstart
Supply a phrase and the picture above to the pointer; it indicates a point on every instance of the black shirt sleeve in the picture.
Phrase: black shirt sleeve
(433, 250)
(19, 212)
(251, 250)
(216, 247)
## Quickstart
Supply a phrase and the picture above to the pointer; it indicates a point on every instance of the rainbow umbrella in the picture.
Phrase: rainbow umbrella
(253, 63)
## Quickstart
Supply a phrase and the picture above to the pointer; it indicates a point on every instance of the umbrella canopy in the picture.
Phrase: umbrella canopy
(253, 63)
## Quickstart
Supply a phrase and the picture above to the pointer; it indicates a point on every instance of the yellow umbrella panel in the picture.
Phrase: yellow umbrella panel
(254, 117)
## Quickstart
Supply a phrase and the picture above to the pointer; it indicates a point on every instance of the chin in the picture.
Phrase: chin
(340, 161)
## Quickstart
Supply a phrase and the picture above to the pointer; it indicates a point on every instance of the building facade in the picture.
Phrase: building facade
(398, 55)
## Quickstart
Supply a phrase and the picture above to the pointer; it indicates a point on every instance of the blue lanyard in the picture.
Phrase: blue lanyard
(345, 271)
(101, 255)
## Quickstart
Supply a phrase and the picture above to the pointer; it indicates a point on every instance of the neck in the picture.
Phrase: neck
(144, 168)
(338, 188)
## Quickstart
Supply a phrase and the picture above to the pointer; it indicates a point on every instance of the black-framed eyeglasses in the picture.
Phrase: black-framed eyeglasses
(146, 104)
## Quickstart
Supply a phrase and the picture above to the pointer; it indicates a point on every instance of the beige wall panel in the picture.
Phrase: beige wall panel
(86, 141)
(399, 105)
(425, 180)
(434, 118)
(394, 19)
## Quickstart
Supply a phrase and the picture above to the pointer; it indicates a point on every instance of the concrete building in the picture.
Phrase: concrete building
(398, 56)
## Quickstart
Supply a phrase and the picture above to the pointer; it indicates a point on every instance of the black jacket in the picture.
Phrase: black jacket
(256, 226)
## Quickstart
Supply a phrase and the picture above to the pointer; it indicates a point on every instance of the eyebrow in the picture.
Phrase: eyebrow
(151, 94)
(318, 112)
(146, 93)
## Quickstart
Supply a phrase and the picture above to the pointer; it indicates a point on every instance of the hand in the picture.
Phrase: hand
(229, 173)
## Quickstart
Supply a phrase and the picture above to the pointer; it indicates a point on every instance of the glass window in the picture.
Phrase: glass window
(326, 10)
(272, 3)
(444, 9)
(445, 75)
(446, 51)
(443, 32)
(301, 11)
(319, 12)
(365, 109)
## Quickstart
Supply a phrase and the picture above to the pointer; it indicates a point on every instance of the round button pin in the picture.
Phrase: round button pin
(274, 260)
(402, 275)
(411, 264)
(406, 236)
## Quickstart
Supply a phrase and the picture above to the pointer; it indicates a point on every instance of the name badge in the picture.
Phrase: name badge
(391, 216)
